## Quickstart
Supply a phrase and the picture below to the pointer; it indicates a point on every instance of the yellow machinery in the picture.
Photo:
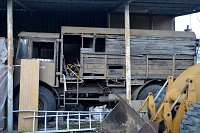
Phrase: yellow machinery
(179, 111)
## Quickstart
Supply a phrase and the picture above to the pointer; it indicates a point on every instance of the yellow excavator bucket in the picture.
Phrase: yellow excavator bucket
(124, 119)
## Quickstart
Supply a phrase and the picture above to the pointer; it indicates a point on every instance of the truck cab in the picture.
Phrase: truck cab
(43, 47)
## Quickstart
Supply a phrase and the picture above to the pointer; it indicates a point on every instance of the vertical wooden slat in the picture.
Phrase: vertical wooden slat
(29, 88)
(81, 66)
(105, 66)
(147, 67)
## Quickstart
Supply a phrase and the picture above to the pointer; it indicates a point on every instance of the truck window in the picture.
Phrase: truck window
(43, 50)
(22, 50)
(100, 45)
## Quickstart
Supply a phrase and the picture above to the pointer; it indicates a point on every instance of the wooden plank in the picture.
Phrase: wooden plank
(116, 61)
(184, 62)
(160, 72)
(137, 82)
(138, 67)
(94, 71)
(140, 76)
(93, 61)
(138, 62)
(81, 64)
(160, 62)
(182, 67)
(186, 57)
(93, 66)
(138, 71)
(29, 87)
(86, 50)
(159, 76)
(116, 57)
(115, 72)
(93, 55)
(160, 67)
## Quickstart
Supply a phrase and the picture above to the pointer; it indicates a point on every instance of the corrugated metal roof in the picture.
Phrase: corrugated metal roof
(165, 7)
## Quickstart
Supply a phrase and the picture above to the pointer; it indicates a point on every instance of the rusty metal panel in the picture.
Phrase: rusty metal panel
(38, 34)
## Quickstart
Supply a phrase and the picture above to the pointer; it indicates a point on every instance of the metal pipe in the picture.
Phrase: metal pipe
(10, 64)
(160, 90)
(179, 96)
(127, 43)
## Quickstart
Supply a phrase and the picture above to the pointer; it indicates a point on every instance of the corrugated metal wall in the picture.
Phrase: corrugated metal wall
(50, 21)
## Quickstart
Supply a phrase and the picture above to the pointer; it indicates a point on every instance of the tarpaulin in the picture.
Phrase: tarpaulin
(3, 75)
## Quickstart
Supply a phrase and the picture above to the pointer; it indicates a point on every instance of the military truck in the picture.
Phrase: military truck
(87, 65)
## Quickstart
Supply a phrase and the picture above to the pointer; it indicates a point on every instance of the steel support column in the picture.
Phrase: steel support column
(128, 63)
(10, 64)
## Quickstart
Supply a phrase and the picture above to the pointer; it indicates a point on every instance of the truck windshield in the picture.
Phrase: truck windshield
(22, 50)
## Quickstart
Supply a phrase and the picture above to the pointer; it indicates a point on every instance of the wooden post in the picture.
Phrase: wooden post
(29, 88)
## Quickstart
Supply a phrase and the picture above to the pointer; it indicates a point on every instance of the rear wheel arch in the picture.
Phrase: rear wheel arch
(135, 92)
(147, 85)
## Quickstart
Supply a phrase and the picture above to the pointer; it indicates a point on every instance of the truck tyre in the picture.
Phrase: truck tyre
(46, 102)
(144, 93)
(191, 120)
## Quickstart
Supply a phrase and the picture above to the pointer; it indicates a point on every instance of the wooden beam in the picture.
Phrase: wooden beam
(123, 2)
(23, 5)
(29, 94)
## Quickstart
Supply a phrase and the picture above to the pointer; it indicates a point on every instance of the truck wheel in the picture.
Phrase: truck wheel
(46, 102)
(144, 93)
(191, 120)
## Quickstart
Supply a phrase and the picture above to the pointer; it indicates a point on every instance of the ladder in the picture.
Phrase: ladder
(73, 120)
(75, 81)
